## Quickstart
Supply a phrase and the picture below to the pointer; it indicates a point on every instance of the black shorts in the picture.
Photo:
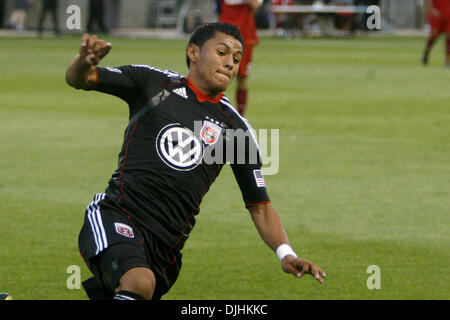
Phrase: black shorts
(111, 243)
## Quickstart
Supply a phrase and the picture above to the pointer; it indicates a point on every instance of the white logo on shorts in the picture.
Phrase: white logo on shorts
(124, 230)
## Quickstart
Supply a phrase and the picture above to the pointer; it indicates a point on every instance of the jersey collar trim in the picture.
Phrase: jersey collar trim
(202, 97)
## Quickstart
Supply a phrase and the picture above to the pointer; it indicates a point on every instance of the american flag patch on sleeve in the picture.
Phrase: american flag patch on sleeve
(259, 178)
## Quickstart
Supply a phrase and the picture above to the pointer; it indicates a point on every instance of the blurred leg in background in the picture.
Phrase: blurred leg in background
(96, 17)
(18, 16)
(49, 6)
(2, 12)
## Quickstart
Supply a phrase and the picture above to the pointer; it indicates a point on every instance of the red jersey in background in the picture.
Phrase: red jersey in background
(441, 23)
(241, 14)
(443, 6)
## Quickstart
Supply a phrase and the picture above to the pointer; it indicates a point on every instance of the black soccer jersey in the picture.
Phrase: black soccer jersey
(174, 147)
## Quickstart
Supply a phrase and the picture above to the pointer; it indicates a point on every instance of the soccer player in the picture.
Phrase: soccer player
(97, 16)
(241, 13)
(133, 233)
(49, 6)
(439, 20)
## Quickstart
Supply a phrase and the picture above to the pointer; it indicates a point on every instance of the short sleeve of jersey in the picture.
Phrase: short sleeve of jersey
(247, 167)
(130, 83)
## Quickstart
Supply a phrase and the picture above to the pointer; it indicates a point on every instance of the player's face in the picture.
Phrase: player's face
(217, 62)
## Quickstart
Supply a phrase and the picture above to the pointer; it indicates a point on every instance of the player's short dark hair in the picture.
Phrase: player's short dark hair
(207, 31)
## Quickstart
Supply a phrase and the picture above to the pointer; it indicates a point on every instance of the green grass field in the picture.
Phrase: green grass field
(364, 173)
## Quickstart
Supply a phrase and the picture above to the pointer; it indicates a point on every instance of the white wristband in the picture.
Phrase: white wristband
(285, 250)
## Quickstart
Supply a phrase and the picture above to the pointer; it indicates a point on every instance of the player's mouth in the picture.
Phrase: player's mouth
(225, 74)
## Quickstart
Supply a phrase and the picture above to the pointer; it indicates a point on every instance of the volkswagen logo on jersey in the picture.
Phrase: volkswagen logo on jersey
(179, 148)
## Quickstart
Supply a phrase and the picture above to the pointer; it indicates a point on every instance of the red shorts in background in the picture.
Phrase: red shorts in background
(440, 24)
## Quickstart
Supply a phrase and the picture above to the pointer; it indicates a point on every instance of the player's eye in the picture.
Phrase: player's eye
(236, 61)
(221, 52)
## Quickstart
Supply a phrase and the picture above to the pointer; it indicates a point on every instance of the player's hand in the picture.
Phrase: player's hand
(299, 267)
(92, 49)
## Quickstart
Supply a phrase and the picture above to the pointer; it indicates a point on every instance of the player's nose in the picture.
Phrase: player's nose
(228, 62)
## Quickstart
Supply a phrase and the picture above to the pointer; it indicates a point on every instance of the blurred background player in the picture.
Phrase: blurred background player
(439, 19)
(198, 12)
(49, 6)
(2, 12)
(282, 21)
(96, 17)
(241, 13)
(19, 14)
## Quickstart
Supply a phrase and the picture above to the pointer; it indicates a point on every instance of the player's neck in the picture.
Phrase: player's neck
(201, 92)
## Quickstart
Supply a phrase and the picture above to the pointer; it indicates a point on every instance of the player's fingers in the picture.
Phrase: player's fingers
(290, 267)
(84, 45)
(297, 270)
(92, 42)
(98, 45)
(92, 59)
(304, 267)
(85, 39)
(295, 267)
(317, 276)
(104, 51)
(317, 273)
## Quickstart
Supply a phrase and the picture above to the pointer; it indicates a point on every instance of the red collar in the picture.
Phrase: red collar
(202, 97)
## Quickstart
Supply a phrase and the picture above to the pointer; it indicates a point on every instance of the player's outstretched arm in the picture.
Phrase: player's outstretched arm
(268, 222)
(81, 72)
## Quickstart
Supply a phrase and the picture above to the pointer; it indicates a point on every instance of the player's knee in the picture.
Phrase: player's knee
(140, 281)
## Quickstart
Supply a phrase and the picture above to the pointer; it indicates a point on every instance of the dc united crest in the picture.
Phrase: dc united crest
(179, 148)
(210, 132)
(124, 230)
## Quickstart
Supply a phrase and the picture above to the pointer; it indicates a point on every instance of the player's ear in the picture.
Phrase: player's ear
(193, 52)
